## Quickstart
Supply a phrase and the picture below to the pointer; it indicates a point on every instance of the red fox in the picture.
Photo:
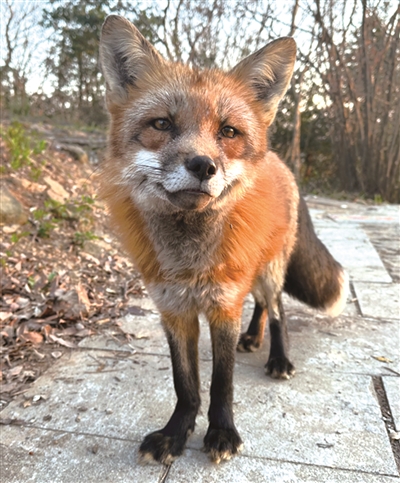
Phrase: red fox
(208, 215)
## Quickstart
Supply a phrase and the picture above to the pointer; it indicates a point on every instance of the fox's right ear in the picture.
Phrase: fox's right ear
(125, 55)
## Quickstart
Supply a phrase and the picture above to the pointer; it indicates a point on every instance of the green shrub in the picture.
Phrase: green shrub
(21, 145)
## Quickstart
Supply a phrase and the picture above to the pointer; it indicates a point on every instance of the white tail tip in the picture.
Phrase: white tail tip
(339, 304)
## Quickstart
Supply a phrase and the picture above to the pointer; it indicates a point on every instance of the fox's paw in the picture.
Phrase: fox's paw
(248, 343)
(159, 447)
(222, 444)
(279, 368)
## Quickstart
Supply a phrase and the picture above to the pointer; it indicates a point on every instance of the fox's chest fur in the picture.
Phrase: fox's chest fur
(186, 245)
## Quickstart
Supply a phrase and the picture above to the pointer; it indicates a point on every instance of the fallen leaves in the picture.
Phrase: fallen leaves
(382, 359)
(33, 337)
(64, 343)
(395, 435)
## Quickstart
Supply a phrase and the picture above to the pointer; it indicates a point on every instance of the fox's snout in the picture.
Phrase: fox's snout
(202, 167)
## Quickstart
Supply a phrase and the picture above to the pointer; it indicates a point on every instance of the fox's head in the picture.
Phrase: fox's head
(183, 138)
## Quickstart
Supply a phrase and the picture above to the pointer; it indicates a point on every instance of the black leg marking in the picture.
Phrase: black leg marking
(222, 440)
(168, 443)
(278, 365)
(251, 340)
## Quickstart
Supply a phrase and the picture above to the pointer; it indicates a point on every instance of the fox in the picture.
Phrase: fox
(208, 214)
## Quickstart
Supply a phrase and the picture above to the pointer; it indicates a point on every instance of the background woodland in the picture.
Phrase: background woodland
(338, 127)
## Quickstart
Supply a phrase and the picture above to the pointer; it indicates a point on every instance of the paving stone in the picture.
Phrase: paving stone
(318, 418)
(352, 248)
(347, 213)
(312, 419)
(345, 344)
(378, 299)
(99, 393)
(32, 455)
(392, 389)
(195, 467)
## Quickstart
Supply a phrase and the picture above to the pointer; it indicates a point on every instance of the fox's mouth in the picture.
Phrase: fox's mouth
(189, 199)
(195, 192)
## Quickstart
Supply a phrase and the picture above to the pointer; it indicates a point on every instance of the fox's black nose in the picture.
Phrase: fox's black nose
(202, 167)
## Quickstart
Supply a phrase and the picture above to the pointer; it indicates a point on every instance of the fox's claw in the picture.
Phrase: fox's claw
(279, 368)
(159, 447)
(222, 444)
(248, 343)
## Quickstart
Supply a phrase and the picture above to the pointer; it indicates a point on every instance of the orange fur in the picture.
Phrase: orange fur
(132, 230)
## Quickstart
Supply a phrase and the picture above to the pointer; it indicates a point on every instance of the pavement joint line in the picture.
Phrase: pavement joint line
(204, 359)
(164, 474)
(250, 457)
(78, 433)
(355, 298)
(311, 465)
(387, 417)
(376, 282)
(315, 371)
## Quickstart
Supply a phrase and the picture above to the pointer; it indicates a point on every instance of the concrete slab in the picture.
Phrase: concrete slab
(392, 389)
(90, 391)
(42, 456)
(378, 299)
(347, 212)
(352, 248)
(317, 418)
(343, 345)
(195, 467)
(342, 417)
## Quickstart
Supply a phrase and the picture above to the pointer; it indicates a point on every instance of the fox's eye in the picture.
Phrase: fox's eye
(228, 132)
(161, 124)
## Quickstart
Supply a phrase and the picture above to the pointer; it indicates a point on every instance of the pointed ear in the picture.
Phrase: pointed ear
(268, 72)
(124, 55)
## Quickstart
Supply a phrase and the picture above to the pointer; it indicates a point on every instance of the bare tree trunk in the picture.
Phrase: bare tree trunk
(293, 156)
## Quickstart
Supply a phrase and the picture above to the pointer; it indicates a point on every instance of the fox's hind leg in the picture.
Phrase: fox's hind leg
(267, 292)
(251, 340)
(169, 442)
(278, 365)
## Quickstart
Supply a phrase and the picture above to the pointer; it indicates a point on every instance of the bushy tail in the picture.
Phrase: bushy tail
(313, 275)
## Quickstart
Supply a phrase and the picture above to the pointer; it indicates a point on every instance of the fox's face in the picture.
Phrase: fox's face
(185, 139)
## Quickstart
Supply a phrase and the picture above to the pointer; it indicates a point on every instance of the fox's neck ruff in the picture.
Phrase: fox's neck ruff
(185, 242)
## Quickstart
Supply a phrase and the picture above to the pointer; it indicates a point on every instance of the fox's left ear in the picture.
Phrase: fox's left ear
(268, 72)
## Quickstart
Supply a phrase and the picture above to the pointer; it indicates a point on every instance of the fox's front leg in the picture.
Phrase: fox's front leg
(222, 439)
(169, 442)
